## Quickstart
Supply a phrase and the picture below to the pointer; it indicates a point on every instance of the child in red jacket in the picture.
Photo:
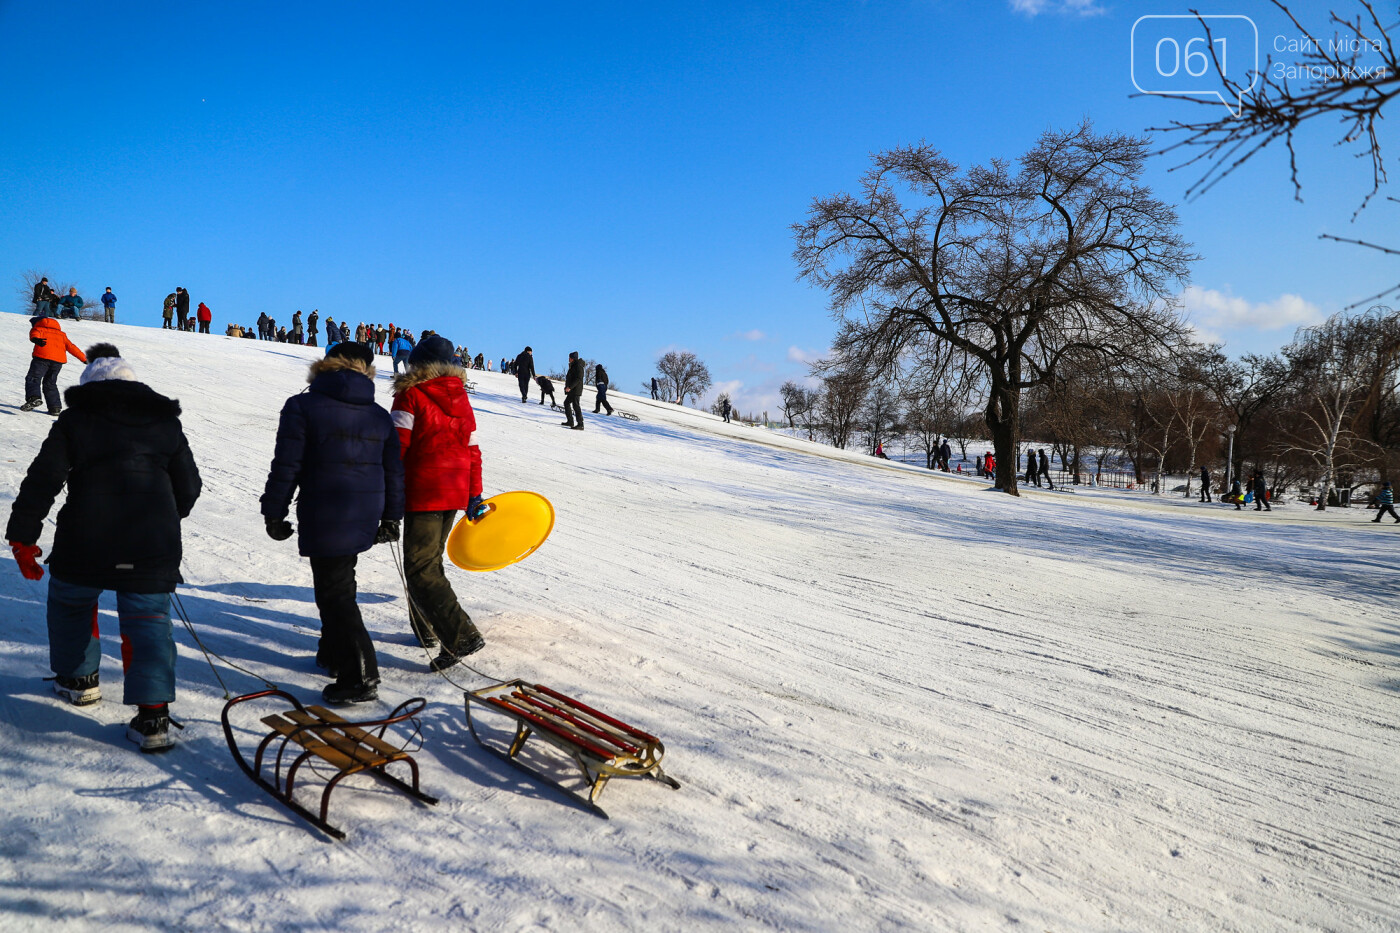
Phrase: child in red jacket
(442, 474)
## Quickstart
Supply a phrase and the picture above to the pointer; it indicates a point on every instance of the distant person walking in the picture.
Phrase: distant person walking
(1032, 468)
(524, 372)
(1205, 485)
(654, 389)
(182, 307)
(1261, 494)
(1385, 503)
(205, 316)
(725, 408)
(945, 453)
(573, 391)
(51, 350)
(1044, 469)
(600, 379)
(400, 349)
(109, 306)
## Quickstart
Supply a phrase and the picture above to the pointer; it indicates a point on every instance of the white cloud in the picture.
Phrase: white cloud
(1210, 311)
(798, 355)
(754, 334)
(1076, 7)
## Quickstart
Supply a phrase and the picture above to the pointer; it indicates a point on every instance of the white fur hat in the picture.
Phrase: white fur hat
(107, 367)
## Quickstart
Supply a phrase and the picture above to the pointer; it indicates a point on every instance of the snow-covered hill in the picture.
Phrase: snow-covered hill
(895, 700)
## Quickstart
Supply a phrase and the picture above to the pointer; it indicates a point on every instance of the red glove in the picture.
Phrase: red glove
(27, 556)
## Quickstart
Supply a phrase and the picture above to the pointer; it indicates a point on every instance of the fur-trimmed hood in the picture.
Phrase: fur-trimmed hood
(348, 380)
(333, 364)
(425, 372)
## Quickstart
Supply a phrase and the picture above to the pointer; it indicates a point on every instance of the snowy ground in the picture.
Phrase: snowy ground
(895, 700)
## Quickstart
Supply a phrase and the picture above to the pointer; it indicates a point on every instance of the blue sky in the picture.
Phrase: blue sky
(617, 180)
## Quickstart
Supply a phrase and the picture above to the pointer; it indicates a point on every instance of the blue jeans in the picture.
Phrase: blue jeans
(400, 357)
(148, 646)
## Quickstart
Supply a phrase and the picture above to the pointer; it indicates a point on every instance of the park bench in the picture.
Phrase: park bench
(308, 735)
(601, 746)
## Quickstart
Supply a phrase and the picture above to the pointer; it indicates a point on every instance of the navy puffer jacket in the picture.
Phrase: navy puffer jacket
(341, 450)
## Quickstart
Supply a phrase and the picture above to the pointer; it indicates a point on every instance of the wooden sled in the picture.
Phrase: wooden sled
(601, 746)
(316, 732)
(625, 414)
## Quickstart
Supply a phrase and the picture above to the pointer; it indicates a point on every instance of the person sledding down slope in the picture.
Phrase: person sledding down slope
(442, 473)
(131, 479)
(340, 449)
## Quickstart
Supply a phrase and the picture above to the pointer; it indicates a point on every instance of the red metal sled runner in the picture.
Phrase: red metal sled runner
(349, 747)
(601, 746)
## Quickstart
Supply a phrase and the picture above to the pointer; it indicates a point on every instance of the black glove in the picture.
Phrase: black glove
(388, 531)
(279, 529)
(38, 341)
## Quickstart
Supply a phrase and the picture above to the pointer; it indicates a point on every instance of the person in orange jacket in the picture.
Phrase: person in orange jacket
(51, 349)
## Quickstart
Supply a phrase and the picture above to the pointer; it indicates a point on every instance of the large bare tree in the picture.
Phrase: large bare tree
(1068, 257)
(683, 373)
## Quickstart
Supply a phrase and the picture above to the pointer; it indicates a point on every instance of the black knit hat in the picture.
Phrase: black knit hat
(352, 351)
(432, 349)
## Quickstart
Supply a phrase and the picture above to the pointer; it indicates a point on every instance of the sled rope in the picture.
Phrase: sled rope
(408, 597)
(189, 627)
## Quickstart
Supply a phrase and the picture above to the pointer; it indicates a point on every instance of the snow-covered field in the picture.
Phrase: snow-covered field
(895, 700)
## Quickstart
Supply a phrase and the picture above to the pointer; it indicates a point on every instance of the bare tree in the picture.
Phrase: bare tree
(1333, 364)
(796, 399)
(1069, 258)
(880, 414)
(840, 403)
(717, 406)
(1332, 78)
(684, 375)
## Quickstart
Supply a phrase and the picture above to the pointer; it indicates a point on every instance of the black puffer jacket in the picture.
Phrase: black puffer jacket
(341, 451)
(573, 379)
(131, 479)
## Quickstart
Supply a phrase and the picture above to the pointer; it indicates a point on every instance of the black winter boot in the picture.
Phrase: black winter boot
(150, 729)
(470, 643)
(339, 694)
(80, 691)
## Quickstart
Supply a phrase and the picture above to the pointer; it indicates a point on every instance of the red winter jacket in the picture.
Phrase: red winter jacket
(204, 314)
(441, 462)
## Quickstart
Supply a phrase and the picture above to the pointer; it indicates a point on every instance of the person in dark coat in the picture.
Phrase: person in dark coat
(1236, 495)
(725, 408)
(945, 453)
(109, 306)
(44, 298)
(524, 372)
(311, 325)
(1032, 468)
(182, 307)
(655, 389)
(131, 480)
(442, 475)
(1261, 495)
(341, 451)
(573, 391)
(1045, 469)
(546, 388)
(1205, 485)
(600, 379)
(1385, 503)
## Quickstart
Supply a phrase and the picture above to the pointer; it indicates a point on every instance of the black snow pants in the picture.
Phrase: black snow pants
(571, 407)
(345, 644)
(43, 374)
(602, 398)
(432, 603)
(525, 389)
